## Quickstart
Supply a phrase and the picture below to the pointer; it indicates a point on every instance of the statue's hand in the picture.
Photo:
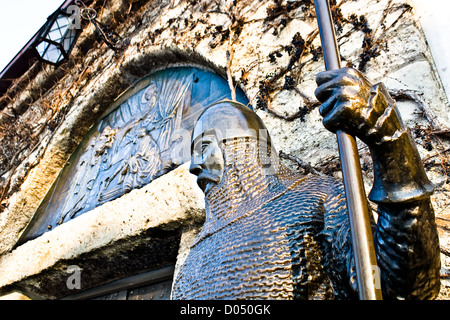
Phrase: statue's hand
(352, 104)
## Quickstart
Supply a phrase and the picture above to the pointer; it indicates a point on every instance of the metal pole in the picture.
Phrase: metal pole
(357, 205)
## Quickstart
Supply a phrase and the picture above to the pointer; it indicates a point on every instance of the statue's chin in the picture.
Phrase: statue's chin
(209, 185)
(206, 182)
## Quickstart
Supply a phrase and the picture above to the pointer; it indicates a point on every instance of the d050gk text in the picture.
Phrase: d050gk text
(247, 309)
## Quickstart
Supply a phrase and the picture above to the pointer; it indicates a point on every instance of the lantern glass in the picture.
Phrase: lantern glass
(57, 38)
(53, 54)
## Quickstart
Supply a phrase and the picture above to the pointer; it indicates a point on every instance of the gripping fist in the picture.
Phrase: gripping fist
(352, 104)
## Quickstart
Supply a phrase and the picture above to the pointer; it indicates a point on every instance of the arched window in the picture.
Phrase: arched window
(142, 136)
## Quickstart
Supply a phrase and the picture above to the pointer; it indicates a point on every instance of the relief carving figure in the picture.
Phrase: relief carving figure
(139, 163)
(174, 101)
(90, 164)
(135, 152)
(273, 233)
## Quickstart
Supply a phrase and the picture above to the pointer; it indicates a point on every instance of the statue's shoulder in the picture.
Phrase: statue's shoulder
(321, 183)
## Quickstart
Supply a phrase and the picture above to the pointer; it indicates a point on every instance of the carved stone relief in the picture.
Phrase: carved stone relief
(145, 134)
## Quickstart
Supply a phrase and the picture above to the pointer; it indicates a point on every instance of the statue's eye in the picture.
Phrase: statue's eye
(204, 146)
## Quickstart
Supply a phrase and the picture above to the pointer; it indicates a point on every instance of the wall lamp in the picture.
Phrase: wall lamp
(57, 37)
(59, 34)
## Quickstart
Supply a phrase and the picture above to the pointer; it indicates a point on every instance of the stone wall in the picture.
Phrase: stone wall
(270, 49)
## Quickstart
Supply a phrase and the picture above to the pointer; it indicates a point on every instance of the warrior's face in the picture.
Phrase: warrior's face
(207, 161)
(222, 121)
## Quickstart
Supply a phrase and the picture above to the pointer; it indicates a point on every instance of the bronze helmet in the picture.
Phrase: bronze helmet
(230, 119)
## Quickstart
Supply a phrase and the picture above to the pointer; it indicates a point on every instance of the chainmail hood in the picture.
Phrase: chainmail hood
(251, 175)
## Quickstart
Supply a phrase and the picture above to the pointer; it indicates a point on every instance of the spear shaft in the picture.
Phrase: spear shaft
(357, 205)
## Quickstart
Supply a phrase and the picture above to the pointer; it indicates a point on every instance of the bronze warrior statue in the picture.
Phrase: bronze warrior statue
(272, 233)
